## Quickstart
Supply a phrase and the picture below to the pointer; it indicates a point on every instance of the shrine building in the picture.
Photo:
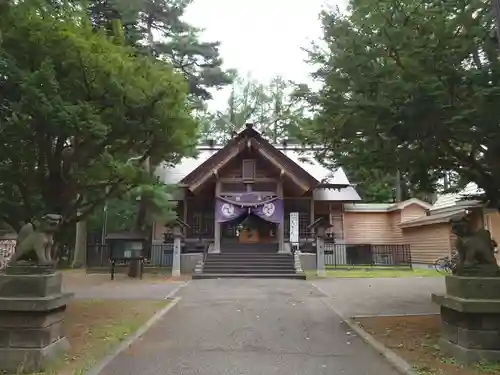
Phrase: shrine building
(244, 192)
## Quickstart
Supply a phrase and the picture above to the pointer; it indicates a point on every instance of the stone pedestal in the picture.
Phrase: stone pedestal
(470, 314)
(320, 257)
(32, 308)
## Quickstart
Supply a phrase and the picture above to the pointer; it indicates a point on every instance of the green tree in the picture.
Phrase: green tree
(273, 109)
(75, 106)
(411, 86)
(122, 213)
(156, 27)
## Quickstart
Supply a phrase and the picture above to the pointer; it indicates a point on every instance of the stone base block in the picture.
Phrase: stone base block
(30, 285)
(30, 319)
(468, 356)
(30, 337)
(470, 305)
(470, 314)
(49, 303)
(32, 309)
(29, 268)
(30, 360)
(473, 287)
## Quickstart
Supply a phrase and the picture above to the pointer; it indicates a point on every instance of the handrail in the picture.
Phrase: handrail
(205, 251)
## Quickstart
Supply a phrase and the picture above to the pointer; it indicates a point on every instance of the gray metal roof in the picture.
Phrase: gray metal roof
(437, 218)
(451, 199)
(304, 158)
(348, 194)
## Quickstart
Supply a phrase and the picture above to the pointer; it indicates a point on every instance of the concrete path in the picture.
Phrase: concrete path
(249, 327)
(368, 297)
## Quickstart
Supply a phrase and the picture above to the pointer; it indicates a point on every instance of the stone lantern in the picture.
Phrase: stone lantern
(177, 235)
(319, 228)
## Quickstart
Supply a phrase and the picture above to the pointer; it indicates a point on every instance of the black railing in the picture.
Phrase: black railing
(370, 255)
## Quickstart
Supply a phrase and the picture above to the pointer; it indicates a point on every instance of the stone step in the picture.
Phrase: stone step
(298, 276)
(249, 259)
(238, 251)
(235, 270)
(249, 266)
(251, 255)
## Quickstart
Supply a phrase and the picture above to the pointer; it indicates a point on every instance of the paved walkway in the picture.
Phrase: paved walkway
(249, 327)
(368, 297)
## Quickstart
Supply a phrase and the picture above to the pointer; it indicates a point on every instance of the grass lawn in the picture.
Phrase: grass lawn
(94, 327)
(377, 272)
(415, 338)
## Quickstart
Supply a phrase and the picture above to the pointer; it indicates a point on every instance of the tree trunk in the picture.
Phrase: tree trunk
(399, 193)
(80, 255)
(496, 11)
(141, 225)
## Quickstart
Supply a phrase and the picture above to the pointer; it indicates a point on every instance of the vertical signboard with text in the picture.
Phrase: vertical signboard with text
(294, 229)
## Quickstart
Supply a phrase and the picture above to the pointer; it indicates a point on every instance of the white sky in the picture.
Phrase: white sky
(263, 38)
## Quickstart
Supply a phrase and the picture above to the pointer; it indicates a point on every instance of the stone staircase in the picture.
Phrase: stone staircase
(248, 261)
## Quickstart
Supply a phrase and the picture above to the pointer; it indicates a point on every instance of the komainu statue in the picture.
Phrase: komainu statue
(35, 244)
(476, 251)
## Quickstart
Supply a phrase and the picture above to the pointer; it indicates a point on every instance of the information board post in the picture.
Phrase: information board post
(294, 230)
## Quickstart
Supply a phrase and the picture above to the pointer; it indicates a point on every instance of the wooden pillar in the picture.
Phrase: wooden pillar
(185, 207)
(311, 211)
(280, 230)
(216, 224)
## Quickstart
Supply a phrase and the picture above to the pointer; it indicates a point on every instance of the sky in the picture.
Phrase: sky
(260, 38)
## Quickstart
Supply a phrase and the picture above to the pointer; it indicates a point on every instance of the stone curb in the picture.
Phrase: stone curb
(97, 369)
(174, 292)
(395, 360)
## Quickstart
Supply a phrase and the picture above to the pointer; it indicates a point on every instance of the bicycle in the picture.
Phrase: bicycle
(447, 264)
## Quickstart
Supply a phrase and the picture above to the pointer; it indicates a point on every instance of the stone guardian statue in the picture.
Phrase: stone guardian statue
(476, 250)
(34, 244)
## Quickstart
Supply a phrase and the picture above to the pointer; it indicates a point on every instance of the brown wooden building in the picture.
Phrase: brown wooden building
(251, 180)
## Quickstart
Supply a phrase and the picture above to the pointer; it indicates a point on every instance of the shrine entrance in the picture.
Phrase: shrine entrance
(253, 229)
(249, 218)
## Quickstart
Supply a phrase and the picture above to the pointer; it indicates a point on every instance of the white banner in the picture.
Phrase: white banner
(294, 227)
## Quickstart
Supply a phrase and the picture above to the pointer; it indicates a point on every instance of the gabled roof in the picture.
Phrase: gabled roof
(302, 158)
(449, 206)
(207, 157)
(249, 139)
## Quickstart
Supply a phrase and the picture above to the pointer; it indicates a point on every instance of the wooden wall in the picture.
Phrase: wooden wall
(429, 242)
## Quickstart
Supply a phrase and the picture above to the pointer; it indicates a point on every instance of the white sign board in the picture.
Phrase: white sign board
(294, 227)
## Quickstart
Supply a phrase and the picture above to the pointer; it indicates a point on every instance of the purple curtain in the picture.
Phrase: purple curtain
(248, 199)
(225, 211)
(270, 211)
